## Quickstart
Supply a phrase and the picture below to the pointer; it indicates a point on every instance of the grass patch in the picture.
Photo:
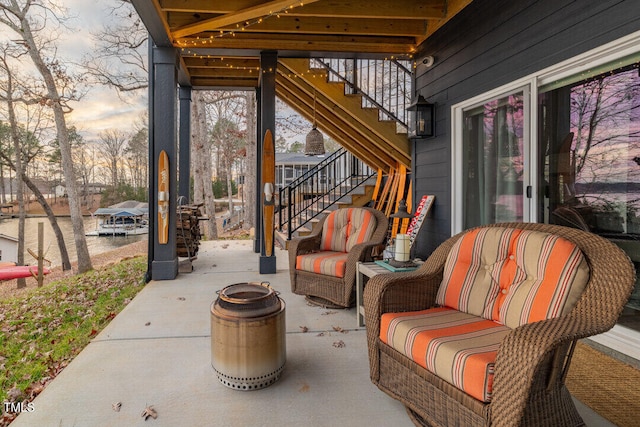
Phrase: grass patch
(41, 332)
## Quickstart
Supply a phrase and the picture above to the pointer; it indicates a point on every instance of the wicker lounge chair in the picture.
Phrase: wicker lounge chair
(531, 360)
(323, 264)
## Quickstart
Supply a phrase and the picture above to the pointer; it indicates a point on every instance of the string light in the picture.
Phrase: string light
(247, 24)
(197, 42)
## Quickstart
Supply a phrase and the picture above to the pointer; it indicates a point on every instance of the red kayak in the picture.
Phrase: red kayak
(18, 271)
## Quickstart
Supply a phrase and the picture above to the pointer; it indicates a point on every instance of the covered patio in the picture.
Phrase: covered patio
(156, 352)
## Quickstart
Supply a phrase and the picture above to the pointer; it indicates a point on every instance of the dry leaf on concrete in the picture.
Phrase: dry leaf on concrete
(339, 344)
(116, 406)
(149, 412)
(304, 329)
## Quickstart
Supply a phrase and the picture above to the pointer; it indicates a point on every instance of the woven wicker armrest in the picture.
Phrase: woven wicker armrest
(396, 292)
(527, 364)
(303, 245)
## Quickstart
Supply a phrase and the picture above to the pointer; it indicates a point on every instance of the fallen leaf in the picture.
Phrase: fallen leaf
(326, 313)
(304, 329)
(116, 406)
(147, 324)
(149, 412)
(339, 344)
(181, 298)
(339, 329)
(321, 334)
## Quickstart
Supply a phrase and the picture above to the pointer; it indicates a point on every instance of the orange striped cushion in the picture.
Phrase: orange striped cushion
(362, 225)
(345, 228)
(556, 275)
(334, 231)
(329, 263)
(458, 347)
(513, 276)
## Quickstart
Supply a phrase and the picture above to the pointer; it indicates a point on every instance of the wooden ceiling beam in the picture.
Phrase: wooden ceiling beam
(224, 72)
(368, 26)
(396, 9)
(215, 6)
(209, 83)
(222, 62)
(306, 43)
(235, 17)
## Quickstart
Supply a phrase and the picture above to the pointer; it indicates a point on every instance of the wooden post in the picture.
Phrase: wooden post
(40, 254)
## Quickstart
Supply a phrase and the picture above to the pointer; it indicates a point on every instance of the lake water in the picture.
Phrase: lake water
(96, 244)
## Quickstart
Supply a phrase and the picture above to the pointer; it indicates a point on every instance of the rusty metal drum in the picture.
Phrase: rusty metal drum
(248, 349)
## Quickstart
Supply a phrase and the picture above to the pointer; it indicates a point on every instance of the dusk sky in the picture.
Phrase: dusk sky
(101, 108)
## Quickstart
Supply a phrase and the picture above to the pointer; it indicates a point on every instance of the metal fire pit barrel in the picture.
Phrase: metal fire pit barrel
(248, 349)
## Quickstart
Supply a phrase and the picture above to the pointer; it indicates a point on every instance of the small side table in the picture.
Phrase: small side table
(368, 270)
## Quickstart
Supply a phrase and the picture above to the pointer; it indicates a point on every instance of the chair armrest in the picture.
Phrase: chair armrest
(525, 364)
(395, 292)
(302, 245)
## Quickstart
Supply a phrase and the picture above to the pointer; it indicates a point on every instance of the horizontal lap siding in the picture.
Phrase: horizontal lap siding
(487, 45)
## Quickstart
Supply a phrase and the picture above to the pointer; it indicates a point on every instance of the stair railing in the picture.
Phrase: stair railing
(319, 188)
(383, 84)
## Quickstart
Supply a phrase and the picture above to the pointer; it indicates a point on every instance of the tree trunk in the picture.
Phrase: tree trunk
(196, 151)
(21, 283)
(229, 188)
(62, 247)
(201, 158)
(3, 195)
(209, 200)
(84, 259)
(248, 188)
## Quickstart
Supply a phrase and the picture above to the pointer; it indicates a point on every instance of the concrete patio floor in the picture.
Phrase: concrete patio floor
(157, 352)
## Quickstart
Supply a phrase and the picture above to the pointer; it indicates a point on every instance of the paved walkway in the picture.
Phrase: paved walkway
(157, 352)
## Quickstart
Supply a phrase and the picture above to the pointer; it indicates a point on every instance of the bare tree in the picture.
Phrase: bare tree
(201, 158)
(120, 57)
(17, 149)
(137, 155)
(112, 147)
(248, 191)
(25, 148)
(59, 91)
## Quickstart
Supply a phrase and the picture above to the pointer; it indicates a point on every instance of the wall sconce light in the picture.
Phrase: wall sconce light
(421, 118)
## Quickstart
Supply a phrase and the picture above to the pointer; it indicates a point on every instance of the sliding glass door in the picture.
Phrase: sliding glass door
(493, 155)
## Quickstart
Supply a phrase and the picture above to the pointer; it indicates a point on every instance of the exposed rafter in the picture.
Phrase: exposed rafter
(220, 43)
(240, 16)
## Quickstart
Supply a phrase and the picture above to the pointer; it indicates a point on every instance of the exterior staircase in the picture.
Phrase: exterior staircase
(349, 102)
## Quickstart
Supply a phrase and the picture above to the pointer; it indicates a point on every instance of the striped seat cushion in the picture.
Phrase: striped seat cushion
(513, 276)
(329, 263)
(458, 347)
(345, 228)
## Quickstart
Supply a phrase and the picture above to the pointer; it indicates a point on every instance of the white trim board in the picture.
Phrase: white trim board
(622, 340)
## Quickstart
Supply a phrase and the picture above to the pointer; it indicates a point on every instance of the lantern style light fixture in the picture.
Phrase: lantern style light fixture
(314, 144)
(421, 118)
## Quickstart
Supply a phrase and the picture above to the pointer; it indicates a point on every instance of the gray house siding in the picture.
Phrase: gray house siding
(489, 44)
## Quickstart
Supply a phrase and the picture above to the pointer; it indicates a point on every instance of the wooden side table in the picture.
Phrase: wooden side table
(368, 270)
